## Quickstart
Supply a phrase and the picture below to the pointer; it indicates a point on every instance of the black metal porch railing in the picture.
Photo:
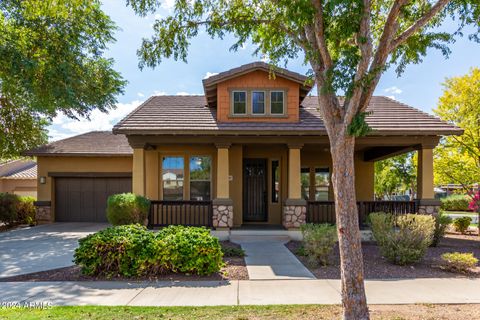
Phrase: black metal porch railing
(324, 211)
(187, 213)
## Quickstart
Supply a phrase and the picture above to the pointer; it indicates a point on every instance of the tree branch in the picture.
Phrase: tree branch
(420, 23)
(320, 34)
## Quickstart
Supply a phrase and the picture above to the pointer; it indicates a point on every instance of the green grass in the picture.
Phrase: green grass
(463, 213)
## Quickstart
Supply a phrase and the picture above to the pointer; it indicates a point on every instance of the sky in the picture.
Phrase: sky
(419, 86)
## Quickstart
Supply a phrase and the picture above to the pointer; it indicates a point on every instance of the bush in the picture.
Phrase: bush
(441, 223)
(461, 224)
(318, 242)
(230, 251)
(8, 208)
(191, 250)
(459, 262)
(455, 202)
(26, 210)
(405, 240)
(132, 250)
(127, 208)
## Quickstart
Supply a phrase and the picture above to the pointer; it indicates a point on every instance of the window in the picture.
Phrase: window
(305, 179)
(276, 102)
(322, 183)
(258, 102)
(275, 181)
(200, 175)
(239, 102)
(172, 178)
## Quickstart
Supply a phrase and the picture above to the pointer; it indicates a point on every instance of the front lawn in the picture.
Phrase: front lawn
(307, 312)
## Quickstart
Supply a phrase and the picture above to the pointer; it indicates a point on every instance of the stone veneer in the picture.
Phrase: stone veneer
(222, 216)
(43, 214)
(428, 209)
(294, 216)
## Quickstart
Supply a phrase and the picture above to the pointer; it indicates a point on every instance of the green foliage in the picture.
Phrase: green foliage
(404, 240)
(318, 242)
(8, 208)
(132, 250)
(455, 202)
(229, 251)
(52, 62)
(26, 210)
(442, 221)
(459, 262)
(396, 175)
(359, 127)
(457, 158)
(127, 208)
(461, 224)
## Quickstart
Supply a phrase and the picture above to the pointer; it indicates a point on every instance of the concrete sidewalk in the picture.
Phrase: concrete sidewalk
(258, 292)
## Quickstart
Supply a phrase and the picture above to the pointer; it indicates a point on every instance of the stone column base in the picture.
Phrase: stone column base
(222, 213)
(294, 213)
(43, 212)
(428, 206)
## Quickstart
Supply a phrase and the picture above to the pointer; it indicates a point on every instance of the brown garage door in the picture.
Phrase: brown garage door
(85, 199)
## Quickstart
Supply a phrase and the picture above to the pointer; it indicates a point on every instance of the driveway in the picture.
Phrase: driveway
(42, 247)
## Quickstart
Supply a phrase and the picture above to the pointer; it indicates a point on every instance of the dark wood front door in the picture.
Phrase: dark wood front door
(254, 190)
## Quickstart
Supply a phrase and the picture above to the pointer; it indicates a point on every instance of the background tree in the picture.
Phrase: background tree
(457, 158)
(348, 44)
(396, 175)
(52, 61)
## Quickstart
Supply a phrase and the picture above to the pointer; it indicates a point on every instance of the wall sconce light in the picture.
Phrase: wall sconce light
(43, 180)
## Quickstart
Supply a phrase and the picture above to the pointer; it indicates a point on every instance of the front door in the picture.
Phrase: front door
(254, 190)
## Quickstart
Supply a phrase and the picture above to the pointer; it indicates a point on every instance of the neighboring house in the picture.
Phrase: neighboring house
(252, 150)
(19, 177)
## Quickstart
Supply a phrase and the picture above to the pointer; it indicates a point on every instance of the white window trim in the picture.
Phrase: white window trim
(264, 102)
(283, 102)
(233, 102)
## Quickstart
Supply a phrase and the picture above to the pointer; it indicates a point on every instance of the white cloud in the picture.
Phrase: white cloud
(64, 127)
(183, 93)
(140, 94)
(392, 97)
(393, 90)
(168, 4)
(209, 74)
(159, 93)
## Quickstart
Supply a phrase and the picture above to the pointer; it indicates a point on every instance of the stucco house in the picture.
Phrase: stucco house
(19, 177)
(252, 150)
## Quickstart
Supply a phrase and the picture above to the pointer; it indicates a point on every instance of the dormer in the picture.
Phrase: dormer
(256, 93)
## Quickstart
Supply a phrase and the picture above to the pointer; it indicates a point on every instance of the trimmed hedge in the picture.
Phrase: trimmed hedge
(127, 208)
(16, 209)
(132, 250)
(455, 202)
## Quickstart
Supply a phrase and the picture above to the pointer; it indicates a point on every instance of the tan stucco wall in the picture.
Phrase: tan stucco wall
(75, 164)
(22, 187)
(258, 80)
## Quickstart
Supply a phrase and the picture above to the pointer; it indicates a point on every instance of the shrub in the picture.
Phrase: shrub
(318, 242)
(405, 240)
(8, 208)
(229, 251)
(26, 210)
(441, 223)
(114, 251)
(132, 250)
(455, 202)
(461, 224)
(127, 208)
(191, 250)
(459, 262)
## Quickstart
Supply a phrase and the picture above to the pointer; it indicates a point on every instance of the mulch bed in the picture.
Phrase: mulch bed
(377, 267)
(235, 269)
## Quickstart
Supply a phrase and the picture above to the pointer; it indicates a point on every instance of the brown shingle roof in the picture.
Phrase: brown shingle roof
(95, 143)
(190, 115)
(18, 169)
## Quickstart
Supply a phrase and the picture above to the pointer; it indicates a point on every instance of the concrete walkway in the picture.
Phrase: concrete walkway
(261, 292)
(268, 259)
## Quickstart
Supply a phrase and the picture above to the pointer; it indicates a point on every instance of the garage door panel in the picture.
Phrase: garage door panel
(85, 199)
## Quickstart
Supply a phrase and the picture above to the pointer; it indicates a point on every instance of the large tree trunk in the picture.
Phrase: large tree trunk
(351, 260)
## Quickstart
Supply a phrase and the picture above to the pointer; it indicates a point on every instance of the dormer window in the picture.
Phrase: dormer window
(276, 102)
(239, 102)
(258, 102)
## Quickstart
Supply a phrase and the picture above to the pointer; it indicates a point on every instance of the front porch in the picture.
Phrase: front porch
(264, 180)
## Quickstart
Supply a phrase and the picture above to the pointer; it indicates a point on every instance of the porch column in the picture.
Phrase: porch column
(295, 208)
(138, 174)
(425, 193)
(222, 205)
